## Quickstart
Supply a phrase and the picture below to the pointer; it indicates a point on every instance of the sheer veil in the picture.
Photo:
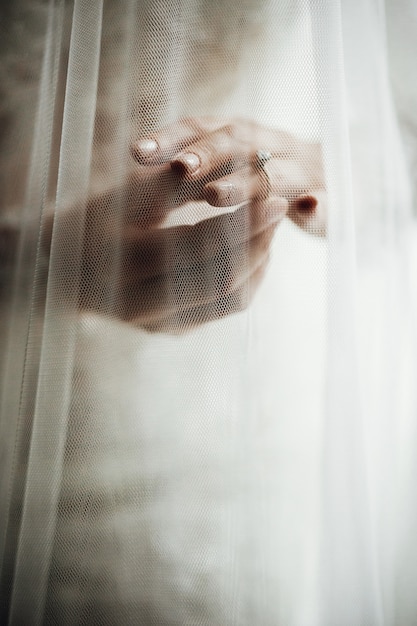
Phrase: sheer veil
(254, 469)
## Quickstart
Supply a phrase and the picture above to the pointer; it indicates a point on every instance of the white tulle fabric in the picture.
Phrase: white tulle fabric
(260, 469)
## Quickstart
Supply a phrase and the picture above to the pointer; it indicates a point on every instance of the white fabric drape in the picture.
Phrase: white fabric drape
(259, 468)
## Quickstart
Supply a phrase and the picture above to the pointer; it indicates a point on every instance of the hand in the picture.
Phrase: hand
(173, 279)
(168, 279)
(222, 157)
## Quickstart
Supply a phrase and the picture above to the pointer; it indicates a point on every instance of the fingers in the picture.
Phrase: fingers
(144, 199)
(167, 142)
(163, 271)
(202, 288)
(204, 147)
(285, 178)
(224, 149)
(150, 254)
(240, 186)
(189, 278)
(229, 148)
(307, 209)
(185, 320)
(216, 164)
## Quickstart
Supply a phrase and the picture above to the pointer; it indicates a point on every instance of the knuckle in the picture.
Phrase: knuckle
(228, 131)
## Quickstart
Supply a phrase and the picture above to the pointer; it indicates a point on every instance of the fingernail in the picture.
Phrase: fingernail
(223, 194)
(306, 204)
(187, 163)
(145, 148)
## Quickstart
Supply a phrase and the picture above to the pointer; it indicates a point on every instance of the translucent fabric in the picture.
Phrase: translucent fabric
(188, 434)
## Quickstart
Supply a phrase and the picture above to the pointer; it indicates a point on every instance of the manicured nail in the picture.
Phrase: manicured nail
(306, 204)
(186, 164)
(145, 149)
(223, 193)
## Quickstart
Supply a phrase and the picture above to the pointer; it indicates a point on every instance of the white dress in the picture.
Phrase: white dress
(256, 470)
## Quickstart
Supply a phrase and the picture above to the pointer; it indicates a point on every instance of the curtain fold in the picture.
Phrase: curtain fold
(208, 409)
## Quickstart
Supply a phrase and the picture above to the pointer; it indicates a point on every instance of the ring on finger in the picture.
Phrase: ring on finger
(261, 159)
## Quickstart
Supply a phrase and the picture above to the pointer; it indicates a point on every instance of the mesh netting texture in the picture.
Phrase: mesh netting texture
(208, 299)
